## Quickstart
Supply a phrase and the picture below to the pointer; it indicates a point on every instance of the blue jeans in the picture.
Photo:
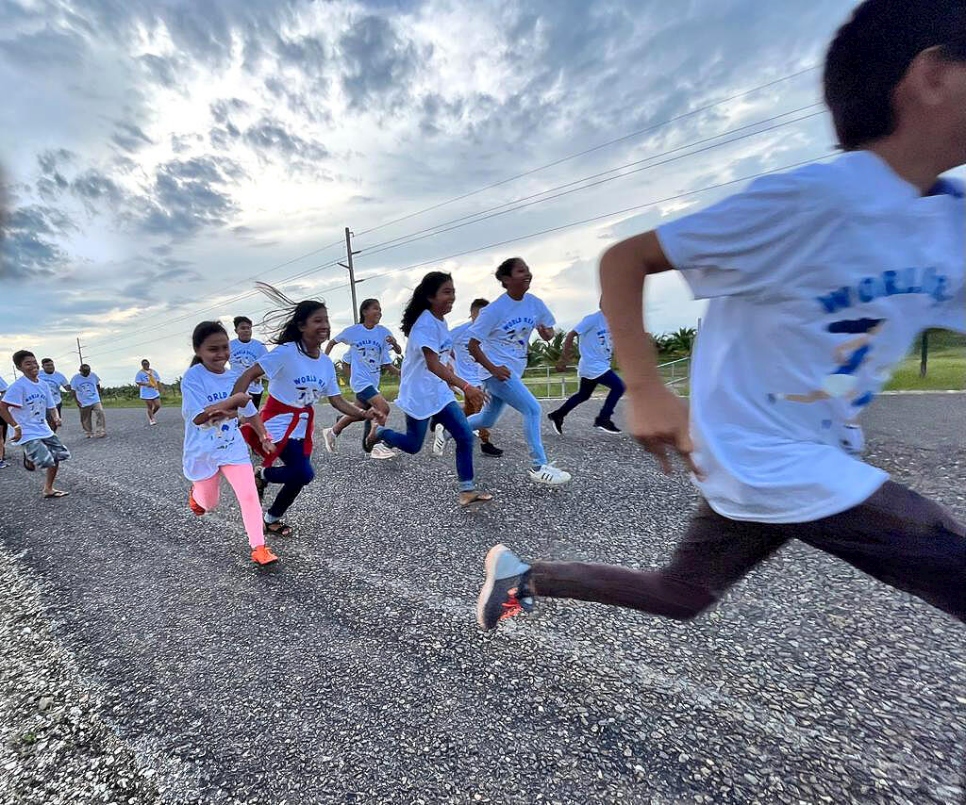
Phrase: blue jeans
(451, 418)
(514, 393)
(296, 474)
(611, 380)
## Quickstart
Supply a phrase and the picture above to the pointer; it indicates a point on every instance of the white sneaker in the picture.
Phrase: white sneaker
(380, 451)
(550, 475)
(329, 437)
(439, 440)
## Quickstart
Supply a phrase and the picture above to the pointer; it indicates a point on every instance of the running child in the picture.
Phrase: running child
(213, 445)
(593, 369)
(425, 388)
(299, 375)
(245, 352)
(469, 370)
(149, 383)
(27, 405)
(499, 342)
(86, 387)
(3, 429)
(876, 233)
(57, 383)
(369, 350)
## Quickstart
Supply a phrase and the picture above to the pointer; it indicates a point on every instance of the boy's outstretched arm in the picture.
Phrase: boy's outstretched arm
(658, 418)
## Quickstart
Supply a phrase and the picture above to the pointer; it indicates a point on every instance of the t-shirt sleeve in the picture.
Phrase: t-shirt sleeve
(425, 336)
(330, 386)
(342, 337)
(249, 409)
(14, 396)
(260, 351)
(272, 362)
(485, 323)
(193, 397)
(544, 316)
(584, 325)
(95, 379)
(738, 246)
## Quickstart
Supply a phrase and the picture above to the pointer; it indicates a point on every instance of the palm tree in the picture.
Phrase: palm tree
(682, 340)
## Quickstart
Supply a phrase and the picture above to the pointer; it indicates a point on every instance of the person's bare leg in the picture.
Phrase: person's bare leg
(49, 479)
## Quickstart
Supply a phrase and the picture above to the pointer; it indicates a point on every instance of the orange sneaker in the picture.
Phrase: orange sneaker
(263, 556)
(194, 505)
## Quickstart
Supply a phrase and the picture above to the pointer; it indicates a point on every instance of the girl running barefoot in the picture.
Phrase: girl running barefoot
(369, 350)
(213, 445)
(299, 375)
(424, 391)
(499, 340)
(149, 383)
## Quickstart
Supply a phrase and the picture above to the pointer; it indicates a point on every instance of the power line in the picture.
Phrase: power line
(517, 204)
(645, 130)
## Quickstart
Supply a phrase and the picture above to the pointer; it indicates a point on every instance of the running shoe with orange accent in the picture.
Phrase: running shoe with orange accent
(194, 505)
(506, 591)
(263, 556)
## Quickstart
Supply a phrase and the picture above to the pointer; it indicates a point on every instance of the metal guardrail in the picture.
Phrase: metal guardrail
(547, 383)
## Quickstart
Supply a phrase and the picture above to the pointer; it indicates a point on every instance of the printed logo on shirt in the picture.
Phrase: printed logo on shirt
(517, 332)
(912, 280)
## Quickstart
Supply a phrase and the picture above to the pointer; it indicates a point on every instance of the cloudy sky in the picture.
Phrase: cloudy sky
(161, 156)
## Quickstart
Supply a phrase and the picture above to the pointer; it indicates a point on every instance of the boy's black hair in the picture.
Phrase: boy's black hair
(46, 360)
(479, 304)
(241, 320)
(21, 355)
(871, 53)
(85, 366)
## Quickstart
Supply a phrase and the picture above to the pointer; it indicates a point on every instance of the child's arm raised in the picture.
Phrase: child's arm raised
(658, 417)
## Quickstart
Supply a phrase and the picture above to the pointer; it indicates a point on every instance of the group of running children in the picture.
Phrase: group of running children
(819, 280)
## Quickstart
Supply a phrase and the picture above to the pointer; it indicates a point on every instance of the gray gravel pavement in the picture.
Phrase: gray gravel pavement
(353, 670)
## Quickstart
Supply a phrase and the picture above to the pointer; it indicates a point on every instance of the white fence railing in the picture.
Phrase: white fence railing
(547, 383)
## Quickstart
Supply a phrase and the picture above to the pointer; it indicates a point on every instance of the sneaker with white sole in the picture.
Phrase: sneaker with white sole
(607, 426)
(380, 451)
(329, 439)
(506, 591)
(550, 475)
(439, 440)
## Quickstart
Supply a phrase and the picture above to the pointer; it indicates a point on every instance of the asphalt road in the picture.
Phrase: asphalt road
(353, 670)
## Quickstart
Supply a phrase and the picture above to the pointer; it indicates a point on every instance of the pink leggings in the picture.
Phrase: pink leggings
(242, 480)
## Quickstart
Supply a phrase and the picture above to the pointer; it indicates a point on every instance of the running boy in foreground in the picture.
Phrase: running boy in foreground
(875, 235)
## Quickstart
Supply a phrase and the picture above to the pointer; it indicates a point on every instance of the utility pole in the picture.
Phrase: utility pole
(352, 273)
(80, 354)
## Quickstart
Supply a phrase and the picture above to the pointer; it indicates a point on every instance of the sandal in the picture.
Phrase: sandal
(57, 493)
(279, 529)
(475, 496)
(28, 465)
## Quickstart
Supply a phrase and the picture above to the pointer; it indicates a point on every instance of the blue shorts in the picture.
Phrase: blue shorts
(367, 394)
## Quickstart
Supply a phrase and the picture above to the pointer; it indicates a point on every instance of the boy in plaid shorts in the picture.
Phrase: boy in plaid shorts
(26, 406)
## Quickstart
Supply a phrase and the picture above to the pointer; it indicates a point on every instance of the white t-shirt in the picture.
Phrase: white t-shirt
(29, 401)
(244, 355)
(297, 380)
(148, 392)
(819, 280)
(466, 367)
(371, 351)
(503, 329)
(208, 447)
(596, 348)
(55, 380)
(421, 393)
(85, 389)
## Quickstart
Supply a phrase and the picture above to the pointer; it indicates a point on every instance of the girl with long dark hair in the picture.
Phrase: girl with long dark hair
(299, 375)
(425, 391)
(213, 445)
(370, 346)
